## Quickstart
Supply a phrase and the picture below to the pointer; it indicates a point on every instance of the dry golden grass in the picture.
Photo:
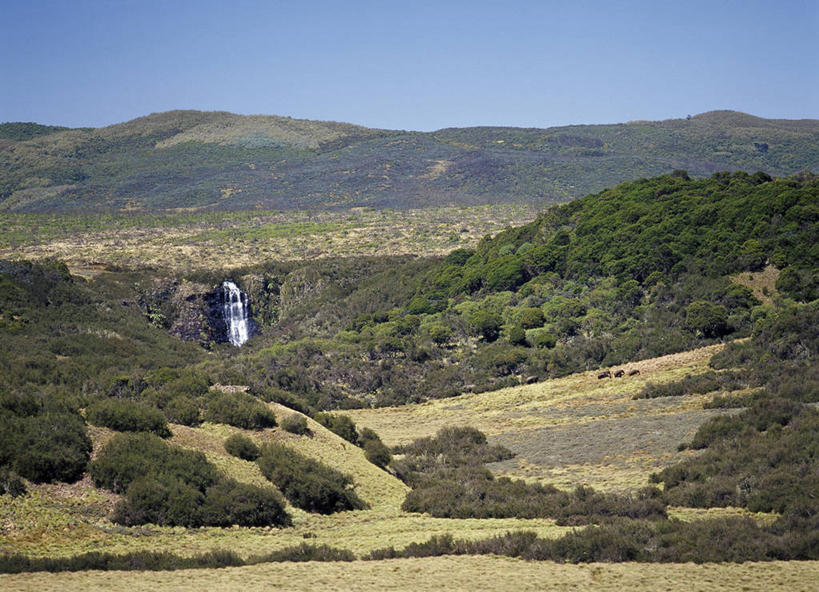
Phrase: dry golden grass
(442, 573)
(571, 430)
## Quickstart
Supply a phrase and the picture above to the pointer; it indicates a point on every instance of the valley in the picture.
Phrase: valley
(469, 390)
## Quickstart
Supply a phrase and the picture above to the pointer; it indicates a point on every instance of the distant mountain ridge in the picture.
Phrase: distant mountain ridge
(220, 160)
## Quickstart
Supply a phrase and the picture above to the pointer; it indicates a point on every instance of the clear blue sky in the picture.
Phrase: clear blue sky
(408, 65)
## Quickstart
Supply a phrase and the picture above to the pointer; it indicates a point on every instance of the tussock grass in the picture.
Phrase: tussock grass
(441, 573)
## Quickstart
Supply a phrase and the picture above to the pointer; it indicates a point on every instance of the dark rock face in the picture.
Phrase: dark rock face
(214, 303)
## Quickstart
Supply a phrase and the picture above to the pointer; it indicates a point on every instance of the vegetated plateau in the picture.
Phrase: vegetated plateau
(631, 376)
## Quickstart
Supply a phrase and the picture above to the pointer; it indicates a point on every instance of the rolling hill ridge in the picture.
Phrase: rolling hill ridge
(218, 160)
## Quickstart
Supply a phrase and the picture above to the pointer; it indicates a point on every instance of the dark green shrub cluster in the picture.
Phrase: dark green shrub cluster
(451, 447)
(706, 382)
(165, 561)
(139, 560)
(124, 415)
(305, 552)
(47, 447)
(295, 424)
(242, 447)
(171, 486)
(240, 410)
(764, 459)
(375, 450)
(448, 480)
(700, 541)
(339, 424)
(307, 483)
(475, 493)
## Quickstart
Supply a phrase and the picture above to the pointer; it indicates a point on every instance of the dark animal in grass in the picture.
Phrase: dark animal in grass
(634, 372)
(619, 373)
(604, 374)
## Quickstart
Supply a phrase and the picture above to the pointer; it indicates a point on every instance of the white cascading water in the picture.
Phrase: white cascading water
(237, 313)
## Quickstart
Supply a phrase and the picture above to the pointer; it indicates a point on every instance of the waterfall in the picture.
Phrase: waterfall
(236, 312)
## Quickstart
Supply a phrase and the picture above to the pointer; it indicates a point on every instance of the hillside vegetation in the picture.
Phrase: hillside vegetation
(606, 366)
(216, 160)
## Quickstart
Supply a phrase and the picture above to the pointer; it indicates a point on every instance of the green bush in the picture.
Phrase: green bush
(711, 320)
(183, 410)
(531, 318)
(339, 424)
(295, 424)
(50, 447)
(123, 415)
(229, 502)
(306, 552)
(242, 447)
(516, 335)
(307, 483)
(240, 410)
(486, 325)
(127, 457)
(170, 486)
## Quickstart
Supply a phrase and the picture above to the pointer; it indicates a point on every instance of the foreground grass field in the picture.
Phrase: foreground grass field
(442, 573)
(199, 240)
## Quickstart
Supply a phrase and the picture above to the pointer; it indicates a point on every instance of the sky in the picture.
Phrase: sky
(408, 65)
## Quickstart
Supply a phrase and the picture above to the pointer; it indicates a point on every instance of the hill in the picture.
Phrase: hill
(216, 160)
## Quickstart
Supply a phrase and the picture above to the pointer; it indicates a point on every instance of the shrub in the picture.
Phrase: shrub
(486, 325)
(710, 320)
(127, 457)
(339, 424)
(183, 410)
(123, 415)
(516, 335)
(531, 318)
(229, 502)
(51, 447)
(295, 424)
(242, 447)
(170, 486)
(306, 552)
(240, 410)
(377, 453)
(541, 338)
(307, 483)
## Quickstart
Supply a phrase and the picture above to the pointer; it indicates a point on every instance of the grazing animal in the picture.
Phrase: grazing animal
(619, 373)
(604, 374)
(634, 372)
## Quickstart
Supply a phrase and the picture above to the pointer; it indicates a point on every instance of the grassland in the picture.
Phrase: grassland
(567, 431)
(443, 573)
(571, 430)
(64, 520)
(200, 240)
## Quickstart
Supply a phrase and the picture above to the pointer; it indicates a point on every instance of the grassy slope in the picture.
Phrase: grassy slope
(442, 573)
(221, 160)
(571, 430)
(63, 520)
